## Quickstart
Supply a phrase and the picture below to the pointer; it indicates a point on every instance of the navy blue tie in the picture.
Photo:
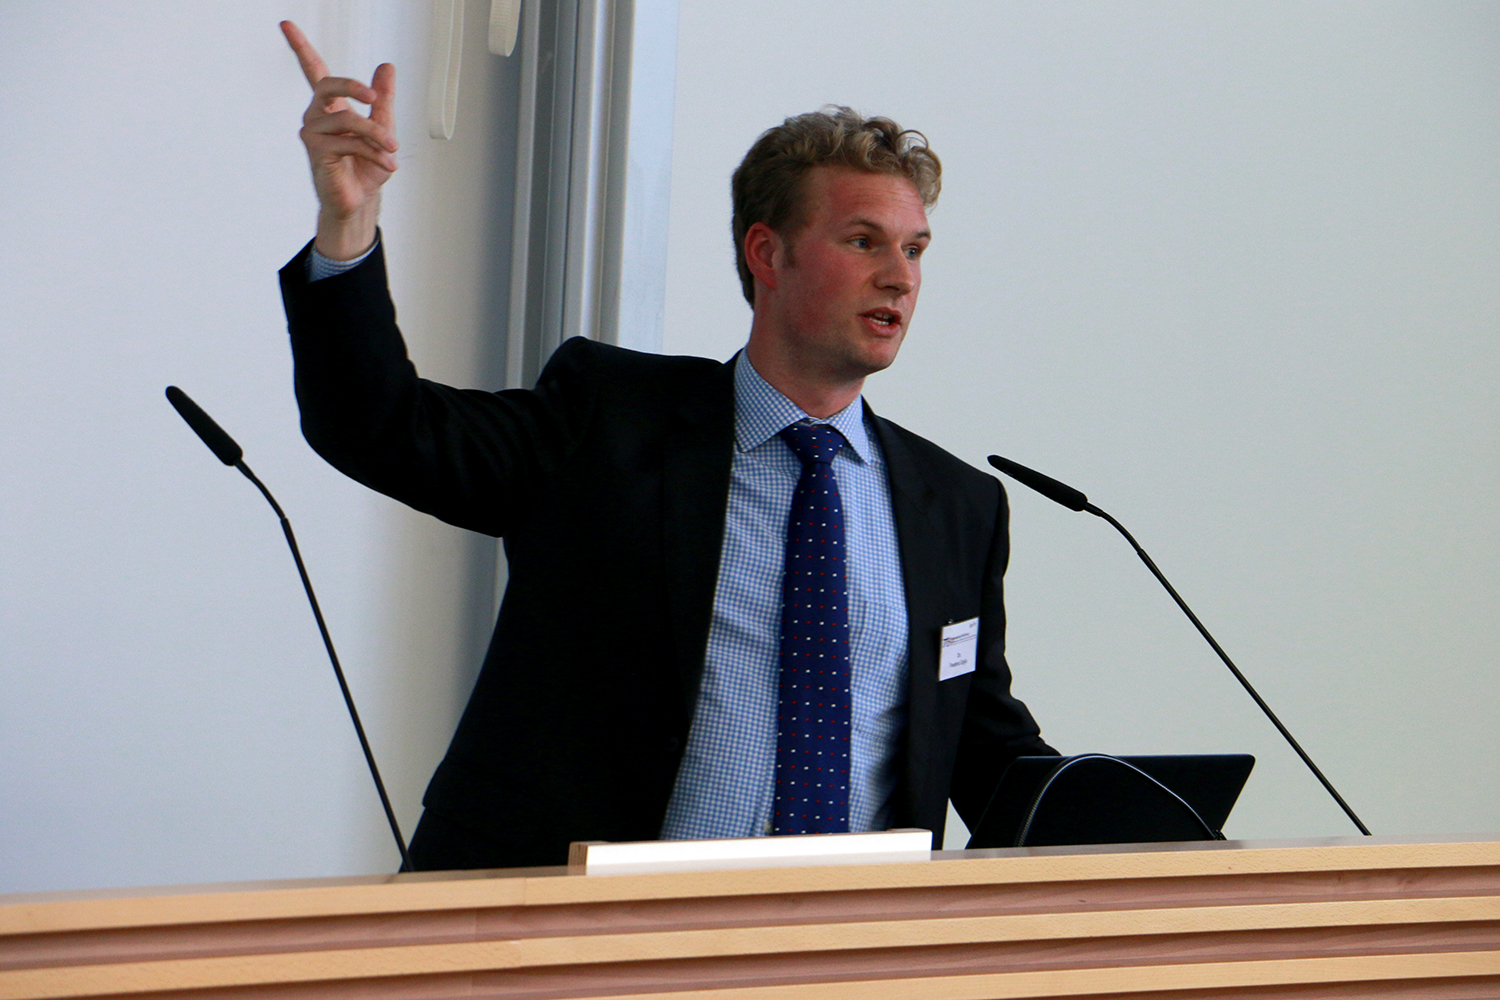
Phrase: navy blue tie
(812, 733)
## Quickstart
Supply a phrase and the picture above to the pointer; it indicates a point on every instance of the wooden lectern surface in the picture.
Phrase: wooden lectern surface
(1366, 917)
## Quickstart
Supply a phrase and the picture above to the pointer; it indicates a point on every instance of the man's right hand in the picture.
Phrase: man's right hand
(351, 155)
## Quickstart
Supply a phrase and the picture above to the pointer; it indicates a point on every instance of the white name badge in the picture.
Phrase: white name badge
(959, 649)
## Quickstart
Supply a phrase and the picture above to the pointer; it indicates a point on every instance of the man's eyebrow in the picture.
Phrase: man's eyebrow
(860, 222)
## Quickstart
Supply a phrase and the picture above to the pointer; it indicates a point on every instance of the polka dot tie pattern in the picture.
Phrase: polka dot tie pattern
(813, 708)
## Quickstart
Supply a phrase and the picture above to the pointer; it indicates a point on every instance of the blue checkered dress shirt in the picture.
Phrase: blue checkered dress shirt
(320, 267)
(726, 785)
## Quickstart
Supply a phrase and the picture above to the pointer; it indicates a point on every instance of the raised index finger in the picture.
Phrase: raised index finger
(313, 66)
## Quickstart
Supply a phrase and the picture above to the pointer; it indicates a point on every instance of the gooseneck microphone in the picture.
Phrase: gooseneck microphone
(1075, 500)
(227, 451)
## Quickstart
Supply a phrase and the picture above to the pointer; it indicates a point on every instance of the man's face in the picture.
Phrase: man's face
(847, 278)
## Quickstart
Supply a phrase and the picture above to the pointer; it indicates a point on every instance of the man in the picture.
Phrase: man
(730, 584)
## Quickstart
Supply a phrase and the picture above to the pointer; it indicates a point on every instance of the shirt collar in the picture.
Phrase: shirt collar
(761, 412)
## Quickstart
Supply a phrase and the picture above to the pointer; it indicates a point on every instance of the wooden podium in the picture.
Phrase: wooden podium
(1331, 918)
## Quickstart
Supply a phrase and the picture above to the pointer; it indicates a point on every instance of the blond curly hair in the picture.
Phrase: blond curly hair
(767, 185)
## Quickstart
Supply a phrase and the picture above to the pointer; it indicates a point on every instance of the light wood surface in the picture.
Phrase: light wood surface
(1378, 917)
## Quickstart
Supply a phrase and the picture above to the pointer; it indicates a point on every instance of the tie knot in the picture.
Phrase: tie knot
(813, 443)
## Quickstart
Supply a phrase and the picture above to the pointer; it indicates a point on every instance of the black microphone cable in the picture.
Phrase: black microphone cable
(1076, 500)
(227, 451)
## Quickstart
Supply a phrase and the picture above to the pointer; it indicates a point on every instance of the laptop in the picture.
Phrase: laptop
(1098, 799)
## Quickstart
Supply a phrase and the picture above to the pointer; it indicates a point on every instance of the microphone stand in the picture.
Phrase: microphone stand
(230, 453)
(338, 670)
(1076, 500)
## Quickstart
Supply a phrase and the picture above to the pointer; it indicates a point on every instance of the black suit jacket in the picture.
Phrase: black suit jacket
(609, 484)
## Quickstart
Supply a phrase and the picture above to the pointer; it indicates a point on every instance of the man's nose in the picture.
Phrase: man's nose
(899, 273)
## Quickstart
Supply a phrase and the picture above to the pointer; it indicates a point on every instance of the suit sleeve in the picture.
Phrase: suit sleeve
(472, 458)
(997, 726)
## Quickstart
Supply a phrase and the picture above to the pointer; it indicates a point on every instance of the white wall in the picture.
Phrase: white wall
(1230, 269)
(166, 710)
(647, 210)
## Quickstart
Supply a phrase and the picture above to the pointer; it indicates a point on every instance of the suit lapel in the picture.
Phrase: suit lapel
(921, 541)
(698, 452)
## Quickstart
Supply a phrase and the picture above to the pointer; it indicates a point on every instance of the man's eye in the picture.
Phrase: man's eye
(862, 242)
(912, 253)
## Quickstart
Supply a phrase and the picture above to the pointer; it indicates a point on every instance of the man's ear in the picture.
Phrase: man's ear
(762, 249)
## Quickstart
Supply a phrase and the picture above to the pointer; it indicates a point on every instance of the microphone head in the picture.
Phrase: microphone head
(1045, 485)
(220, 443)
